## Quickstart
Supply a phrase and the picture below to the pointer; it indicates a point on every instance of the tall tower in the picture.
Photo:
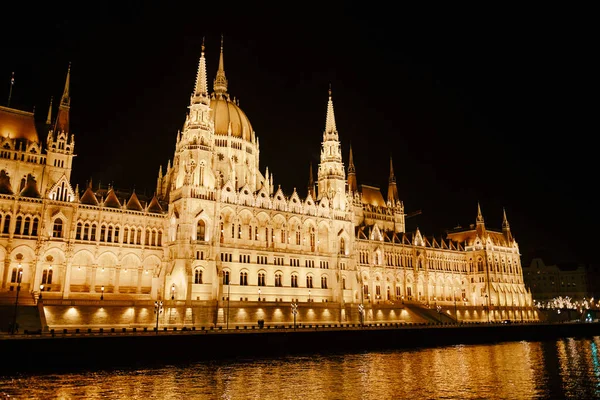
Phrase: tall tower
(311, 182)
(60, 143)
(331, 175)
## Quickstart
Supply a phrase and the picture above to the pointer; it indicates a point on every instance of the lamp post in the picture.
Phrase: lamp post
(294, 311)
(102, 293)
(41, 290)
(455, 311)
(173, 292)
(228, 294)
(19, 276)
(158, 309)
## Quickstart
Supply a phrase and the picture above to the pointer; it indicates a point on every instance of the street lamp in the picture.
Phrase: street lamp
(173, 292)
(158, 309)
(294, 311)
(41, 290)
(19, 276)
(102, 294)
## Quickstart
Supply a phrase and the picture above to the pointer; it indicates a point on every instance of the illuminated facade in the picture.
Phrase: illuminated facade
(218, 229)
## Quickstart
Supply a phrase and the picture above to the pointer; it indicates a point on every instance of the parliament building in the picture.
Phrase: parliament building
(219, 240)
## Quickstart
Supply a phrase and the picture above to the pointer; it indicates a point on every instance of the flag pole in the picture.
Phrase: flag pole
(12, 82)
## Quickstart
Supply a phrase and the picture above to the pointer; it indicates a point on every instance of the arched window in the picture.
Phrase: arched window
(109, 231)
(344, 282)
(225, 277)
(294, 280)
(18, 223)
(324, 282)
(159, 241)
(26, 226)
(198, 276)
(86, 229)
(57, 228)
(93, 232)
(147, 238)
(47, 276)
(138, 238)
(278, 279)
(312, 239)
(34, 227)
(243, 279)
(342, 246)
(250, 232)
(116, 238)
(201, 230)
(103, 233)
(309, 281)
(6, 227)
(261, 279)
(78, 231)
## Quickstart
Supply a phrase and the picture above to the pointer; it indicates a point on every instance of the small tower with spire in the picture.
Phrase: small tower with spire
(480, 223)
(352, 183)
(60, 143)
(311, 182)
(392, 195)
(506, 227)
(220, 82)
(331, 175)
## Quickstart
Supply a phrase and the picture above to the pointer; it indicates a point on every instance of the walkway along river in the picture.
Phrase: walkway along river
(118, 348)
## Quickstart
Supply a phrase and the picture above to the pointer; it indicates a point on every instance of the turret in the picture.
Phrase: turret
(506, 227)
(331, 175)
(60, 143)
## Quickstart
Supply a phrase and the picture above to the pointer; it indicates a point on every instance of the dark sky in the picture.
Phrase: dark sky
(473, 104)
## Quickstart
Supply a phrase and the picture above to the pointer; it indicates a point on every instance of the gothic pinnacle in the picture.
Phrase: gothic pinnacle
(220, 82)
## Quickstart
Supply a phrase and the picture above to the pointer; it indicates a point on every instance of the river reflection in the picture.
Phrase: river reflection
(568, 368)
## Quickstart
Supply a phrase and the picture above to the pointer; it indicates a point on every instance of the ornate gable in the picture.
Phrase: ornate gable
(62, 190)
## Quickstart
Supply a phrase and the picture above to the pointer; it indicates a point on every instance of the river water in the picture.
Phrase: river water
(564, 369)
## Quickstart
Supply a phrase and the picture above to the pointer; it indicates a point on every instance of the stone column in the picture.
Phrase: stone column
(6, 269)
(93, 279)
(139, 280)
(67, 280)
(117, 272)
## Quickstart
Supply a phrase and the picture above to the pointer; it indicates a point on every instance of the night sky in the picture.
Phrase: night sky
(474, 105)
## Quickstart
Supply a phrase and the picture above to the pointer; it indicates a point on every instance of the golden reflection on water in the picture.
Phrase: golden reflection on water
(568, 368)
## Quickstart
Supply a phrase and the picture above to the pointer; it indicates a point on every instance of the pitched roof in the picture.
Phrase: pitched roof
(111, 200)
(17, 124)
(30, 189)
(134, 203)
(372, 195)
(89, 197)
(154, 206)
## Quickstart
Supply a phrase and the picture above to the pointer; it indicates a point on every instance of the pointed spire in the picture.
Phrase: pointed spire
(201, 88)
(479, 215)
(49, 119)
(352, 183)
(311, 182)
(62, 119)
(66, 99)
(330, 119)
(393, 197)
(220, 82)
(505, 224)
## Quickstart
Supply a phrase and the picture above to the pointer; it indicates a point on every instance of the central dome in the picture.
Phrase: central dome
(226, 113)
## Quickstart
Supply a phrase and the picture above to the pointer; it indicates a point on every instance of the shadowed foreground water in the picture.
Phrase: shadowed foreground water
(567, 368)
